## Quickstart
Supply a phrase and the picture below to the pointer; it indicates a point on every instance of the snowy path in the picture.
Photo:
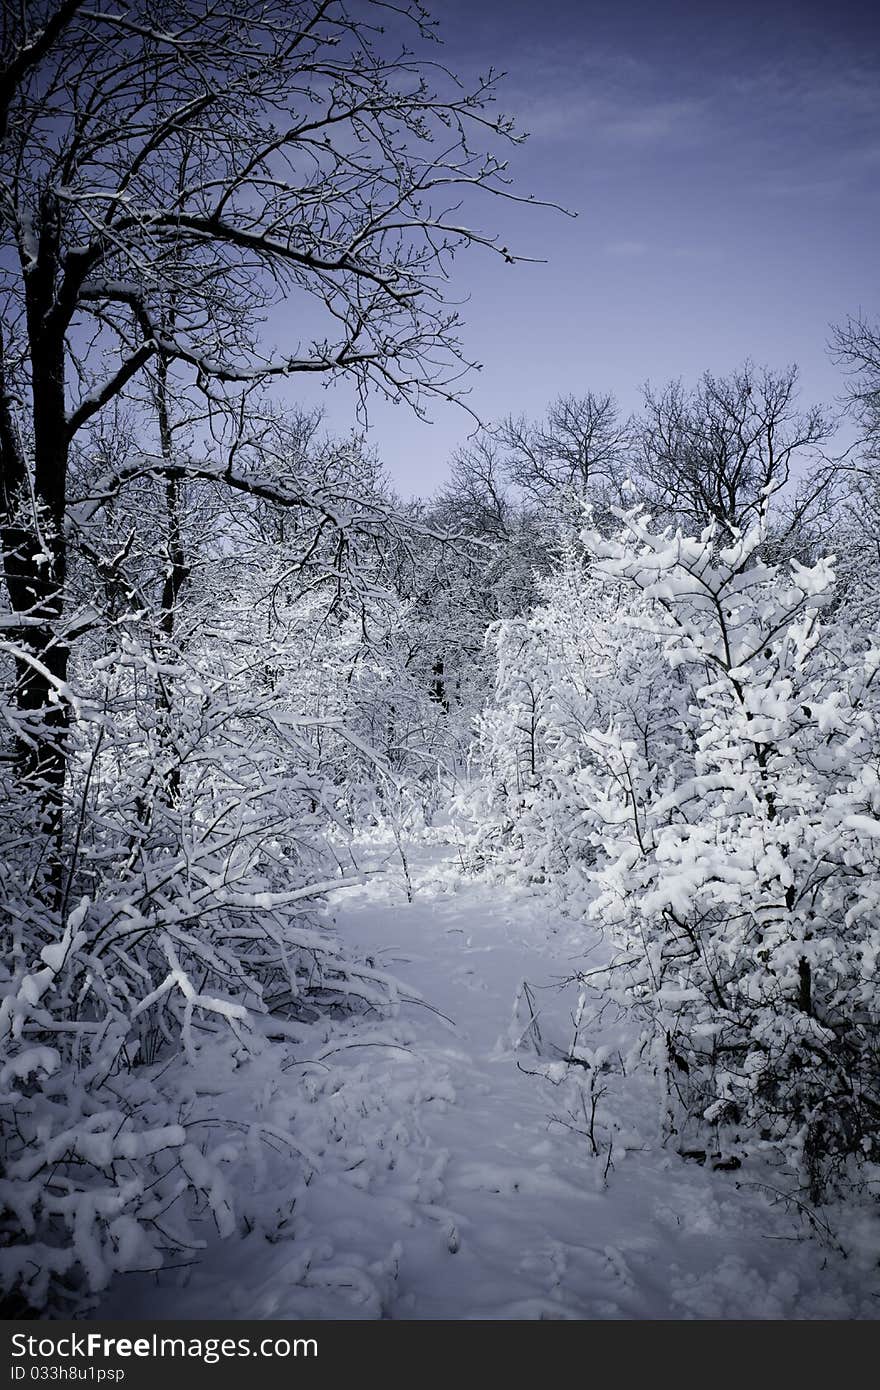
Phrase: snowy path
(455, 1196)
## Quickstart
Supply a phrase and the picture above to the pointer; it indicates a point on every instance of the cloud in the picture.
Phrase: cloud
(626, 248)
(810, 109)
(632, 249)
(610, 96)
(619, 116)
(698, 255)
(657, 121)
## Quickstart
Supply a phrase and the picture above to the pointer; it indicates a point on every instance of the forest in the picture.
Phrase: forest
(619, 671)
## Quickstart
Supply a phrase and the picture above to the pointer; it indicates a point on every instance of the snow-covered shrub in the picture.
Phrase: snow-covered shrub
(560, 672)
(739, 882)
(400, 727)
(187, 915)
(678, 723)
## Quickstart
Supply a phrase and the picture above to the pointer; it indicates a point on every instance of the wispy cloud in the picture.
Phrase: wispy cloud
(626, 248)
(650, 122)
(697, 255)
(814, 115)
(614, 113)
(633, 249)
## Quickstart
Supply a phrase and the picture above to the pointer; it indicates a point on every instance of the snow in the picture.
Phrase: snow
(444, 1175)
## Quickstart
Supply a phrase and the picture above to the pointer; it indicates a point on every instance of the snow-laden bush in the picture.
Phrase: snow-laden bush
(742, 886)
(560, 672)
(185, 914)
(736, 859)
(386, 729)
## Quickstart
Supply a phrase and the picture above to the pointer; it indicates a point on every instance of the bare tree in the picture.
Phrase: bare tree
(719, 452)
(477, 498)
(580, 447)
(855, 345)
(226, 159)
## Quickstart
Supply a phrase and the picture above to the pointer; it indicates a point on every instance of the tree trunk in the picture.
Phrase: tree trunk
(438, 683)
(176, 573)
(34, 547)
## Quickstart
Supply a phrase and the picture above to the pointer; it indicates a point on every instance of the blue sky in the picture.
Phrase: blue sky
(724, 163)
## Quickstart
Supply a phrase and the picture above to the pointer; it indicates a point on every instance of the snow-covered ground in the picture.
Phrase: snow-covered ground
(444, 1174)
